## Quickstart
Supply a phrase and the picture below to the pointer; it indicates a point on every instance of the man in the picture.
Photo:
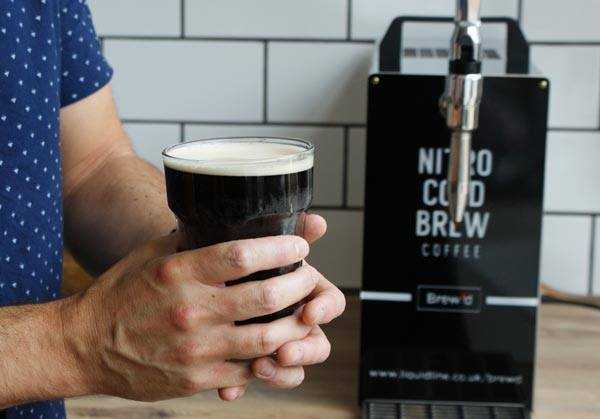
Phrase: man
(157, 324)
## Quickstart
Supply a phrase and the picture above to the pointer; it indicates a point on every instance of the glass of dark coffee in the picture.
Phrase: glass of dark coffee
(227, 189)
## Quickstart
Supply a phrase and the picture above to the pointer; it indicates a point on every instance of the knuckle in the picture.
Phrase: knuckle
(267, 340)
(269, 297)
(167, 270)
(311, 273)
(240, 257)
(182, 317)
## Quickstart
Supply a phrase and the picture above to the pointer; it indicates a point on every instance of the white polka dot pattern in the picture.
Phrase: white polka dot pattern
(50, 59)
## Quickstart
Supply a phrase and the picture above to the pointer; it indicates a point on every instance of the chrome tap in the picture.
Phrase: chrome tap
(460, 102)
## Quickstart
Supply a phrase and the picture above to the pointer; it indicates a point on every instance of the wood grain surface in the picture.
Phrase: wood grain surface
(567, 380)
(567, 383)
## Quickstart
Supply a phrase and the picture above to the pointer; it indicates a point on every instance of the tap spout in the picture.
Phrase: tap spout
(461, 101)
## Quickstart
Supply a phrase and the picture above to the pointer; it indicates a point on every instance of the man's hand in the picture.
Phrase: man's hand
(325, 303)
(160, 326)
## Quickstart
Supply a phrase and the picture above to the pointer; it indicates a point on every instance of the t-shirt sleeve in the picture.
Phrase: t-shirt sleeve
(84, 69)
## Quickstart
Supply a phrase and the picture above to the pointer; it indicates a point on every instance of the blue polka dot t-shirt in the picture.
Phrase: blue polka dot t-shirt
(50, 58)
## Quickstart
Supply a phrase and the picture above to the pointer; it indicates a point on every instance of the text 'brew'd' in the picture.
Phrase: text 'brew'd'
(240, 188)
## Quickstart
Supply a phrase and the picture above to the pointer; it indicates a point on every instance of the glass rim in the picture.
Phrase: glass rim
(305, 148)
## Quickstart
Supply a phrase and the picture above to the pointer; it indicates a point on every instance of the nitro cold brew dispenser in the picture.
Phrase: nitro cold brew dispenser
(449, 310)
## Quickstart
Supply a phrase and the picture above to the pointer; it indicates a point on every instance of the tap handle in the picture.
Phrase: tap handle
(466, 39)
(468, 11)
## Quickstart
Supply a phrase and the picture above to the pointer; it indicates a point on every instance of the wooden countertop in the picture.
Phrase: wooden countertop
(567, 382)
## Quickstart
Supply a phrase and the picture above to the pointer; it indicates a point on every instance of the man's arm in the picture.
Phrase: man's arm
(113, 200)
(35, 363)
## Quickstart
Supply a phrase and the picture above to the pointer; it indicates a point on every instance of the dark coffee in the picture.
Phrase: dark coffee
(240, 188)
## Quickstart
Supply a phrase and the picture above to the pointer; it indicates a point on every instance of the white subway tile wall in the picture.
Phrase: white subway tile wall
(555, 20)
(267, 18)
(312, 82)
(574, 94)
(566, 235)
(200, 68)
(152, 17)
(189, 80)
(573, 172)
(150, 139)
(596, 256)
(370, 18)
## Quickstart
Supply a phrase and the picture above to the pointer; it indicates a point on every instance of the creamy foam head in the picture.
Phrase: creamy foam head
(241, 157)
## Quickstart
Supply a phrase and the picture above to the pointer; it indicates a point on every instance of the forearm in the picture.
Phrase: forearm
(37, 361)
(120, 206)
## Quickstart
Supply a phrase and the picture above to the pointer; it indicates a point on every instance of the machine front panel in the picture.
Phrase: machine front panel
(449, 312)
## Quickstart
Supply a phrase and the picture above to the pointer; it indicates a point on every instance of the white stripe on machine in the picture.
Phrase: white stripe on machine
(491, 300)
(512, 301)
(403, 297)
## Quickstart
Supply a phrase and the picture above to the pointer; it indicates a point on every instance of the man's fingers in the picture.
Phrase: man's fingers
(312, 227)
(230, 394)
(256, 340)
(220, 375)
(259, 298)
(313, 349)
(225, 262)
(326, 303)
(280, 377)
(231, 374)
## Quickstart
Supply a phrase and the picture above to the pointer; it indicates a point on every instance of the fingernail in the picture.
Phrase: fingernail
(266, 369)
(301, 247)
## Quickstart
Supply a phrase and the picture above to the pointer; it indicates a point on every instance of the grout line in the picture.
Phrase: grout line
(238, 39)
(265, 82)
(566, 43)
(242, 123)
(151, 122)
(102, 43)
(349, 22)
(298, 124)
(181, 132)
(599, 117)
(592, 254)
(565, 129)
(520, 14)
(346, 163)
(572, 213)
(182, 18)
(365, 40)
